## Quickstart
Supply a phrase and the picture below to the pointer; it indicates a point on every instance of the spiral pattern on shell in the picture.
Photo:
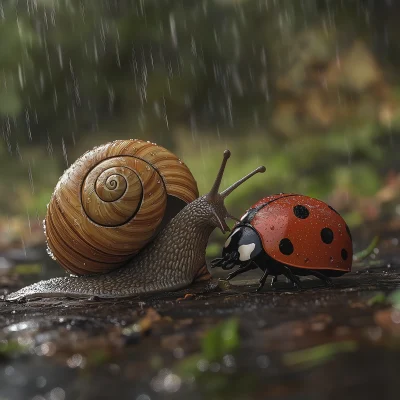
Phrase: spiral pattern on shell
(110, 202)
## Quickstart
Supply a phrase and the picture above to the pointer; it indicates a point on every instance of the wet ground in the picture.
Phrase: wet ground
(211, 341)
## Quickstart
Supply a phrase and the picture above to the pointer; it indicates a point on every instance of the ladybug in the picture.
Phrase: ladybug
(291, 235)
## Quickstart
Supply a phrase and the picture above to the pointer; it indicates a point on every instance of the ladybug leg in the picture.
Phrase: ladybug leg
(220, 262)
(328, 281)
(227, 262)
(231, 261)
(217, 262)
(262, 280)
(240, 270)
(291, 276)
(274, 279)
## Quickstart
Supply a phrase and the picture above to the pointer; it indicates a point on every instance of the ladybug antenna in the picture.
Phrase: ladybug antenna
(214, 190)
(231, 188)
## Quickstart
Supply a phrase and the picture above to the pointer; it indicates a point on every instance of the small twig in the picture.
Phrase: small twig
(363, 254)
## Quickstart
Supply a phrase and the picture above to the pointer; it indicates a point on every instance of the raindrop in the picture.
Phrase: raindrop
(143, 396)
(28, 124)
(229, 361)
(172, 25)
(178, 352)
(41, 382)
(263, 361)
(57, 394)
(172, 383)
(31, 177)
(165, 113)
(95, 52)
(55, 99)
(75, 361)
(215, 367)
(60, 56)
(157, 109)
(64, 151)
(17, 150)
(9, 370)
(202, 365)
(53, 17)
(20, 76)
(49, 146)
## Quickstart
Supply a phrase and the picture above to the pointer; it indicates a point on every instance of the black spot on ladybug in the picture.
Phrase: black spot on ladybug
(286, 247)
(327, 235)
(348, 231)
(333, 210)
(301, 211)
(344, 254)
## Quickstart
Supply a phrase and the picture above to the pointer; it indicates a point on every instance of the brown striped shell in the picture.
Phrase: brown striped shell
(110, 202)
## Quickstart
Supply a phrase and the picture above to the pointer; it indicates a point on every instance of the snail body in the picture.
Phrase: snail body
(173, 253)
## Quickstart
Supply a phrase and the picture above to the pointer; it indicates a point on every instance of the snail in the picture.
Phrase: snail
(109, 224)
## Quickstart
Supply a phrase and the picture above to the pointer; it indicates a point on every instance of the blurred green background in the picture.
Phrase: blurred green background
(309, 88)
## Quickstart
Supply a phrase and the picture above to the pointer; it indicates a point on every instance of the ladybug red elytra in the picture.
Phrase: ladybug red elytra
(292, 235)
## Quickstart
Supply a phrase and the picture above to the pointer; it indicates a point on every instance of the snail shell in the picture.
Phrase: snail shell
(112, 201)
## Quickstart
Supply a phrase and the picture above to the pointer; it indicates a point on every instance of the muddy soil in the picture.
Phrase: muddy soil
(318, 343)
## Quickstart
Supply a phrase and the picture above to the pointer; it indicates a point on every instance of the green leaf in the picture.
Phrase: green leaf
(188, 366)
(361, 255)
(28, 269)
(222, 339)
(97, 357)
(394, 299)
(318, 354)
(379, 298)
(9, 348)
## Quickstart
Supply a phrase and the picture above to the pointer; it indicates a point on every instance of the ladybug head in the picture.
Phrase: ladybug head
(242, 246)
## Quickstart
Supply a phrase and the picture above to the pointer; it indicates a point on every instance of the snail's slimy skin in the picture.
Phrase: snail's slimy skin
(169, 263)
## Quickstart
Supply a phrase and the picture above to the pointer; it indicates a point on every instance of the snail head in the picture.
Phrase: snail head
(216, 199)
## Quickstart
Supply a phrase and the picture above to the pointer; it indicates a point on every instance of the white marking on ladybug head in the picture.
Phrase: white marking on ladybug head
(244, 216)
(230, 237)
(245, 251)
